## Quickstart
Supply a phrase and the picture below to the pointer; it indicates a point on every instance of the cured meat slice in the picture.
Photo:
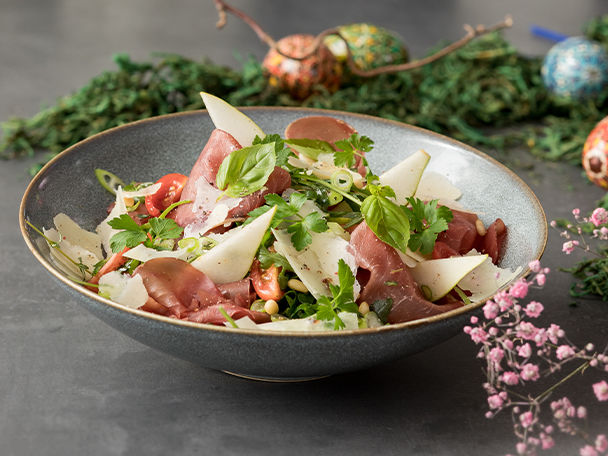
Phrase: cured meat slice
(492, 242)
(219, 146)
(461, 234)
(390, 278)
(213, 315)
(240, 292)
(178, 286)
(323, 128)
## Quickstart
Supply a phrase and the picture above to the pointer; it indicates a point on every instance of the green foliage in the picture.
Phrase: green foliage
(487, 83)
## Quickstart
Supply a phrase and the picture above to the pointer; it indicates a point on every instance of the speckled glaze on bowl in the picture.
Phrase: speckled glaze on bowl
(148, 149)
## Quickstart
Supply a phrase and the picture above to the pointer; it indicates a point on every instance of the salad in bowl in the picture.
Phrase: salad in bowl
(291, 232)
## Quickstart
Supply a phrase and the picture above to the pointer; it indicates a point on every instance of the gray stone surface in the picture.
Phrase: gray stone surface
(71, 385)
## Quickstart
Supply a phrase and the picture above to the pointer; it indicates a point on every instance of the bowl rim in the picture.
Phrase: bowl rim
(251, 332)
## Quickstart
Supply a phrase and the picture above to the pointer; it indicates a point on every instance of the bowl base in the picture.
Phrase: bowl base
(276, 379)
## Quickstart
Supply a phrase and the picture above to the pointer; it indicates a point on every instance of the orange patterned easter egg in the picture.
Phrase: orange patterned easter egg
(302, 77)
(595, 152)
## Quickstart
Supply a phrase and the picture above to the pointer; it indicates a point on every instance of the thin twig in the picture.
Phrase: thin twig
(472, 33)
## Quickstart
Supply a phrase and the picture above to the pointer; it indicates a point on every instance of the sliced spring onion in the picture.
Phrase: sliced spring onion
(342, 179)
(334, 198)
(108, 180)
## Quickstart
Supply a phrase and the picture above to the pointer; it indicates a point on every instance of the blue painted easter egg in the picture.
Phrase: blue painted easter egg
(575, 68)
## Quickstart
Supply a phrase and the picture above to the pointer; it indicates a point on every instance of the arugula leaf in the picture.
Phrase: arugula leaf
(246, 170)
(343, 297)
(385, 218)
(268, 258)
(427, 220)
(282, 153)
(382, 307)
(312, 148)
(350, 148)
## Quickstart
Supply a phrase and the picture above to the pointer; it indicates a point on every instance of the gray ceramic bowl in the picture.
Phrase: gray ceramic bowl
(146, 150)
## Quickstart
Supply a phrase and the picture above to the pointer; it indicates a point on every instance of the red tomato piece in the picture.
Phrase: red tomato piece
(169, 193)
(266, 281)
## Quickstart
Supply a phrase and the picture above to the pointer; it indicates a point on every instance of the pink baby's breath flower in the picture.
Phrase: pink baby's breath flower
(521, 448)
(490, 310)
(534, 265)
(569, 246)
(553, 223)
(547, 442)
(495, 401)
(526, 419)
(554, 333)
(599, 216)
(601, 443)
(576, 212)
(508, 344)
(601, 390)
(510, 378)
(474, 320)
(564, 352)
(581, 412)
(519, 289)
(603, 233)
(530, 372)
(503, 299)
(534, 309)
(478, 335)
(588, 450)
(541, 279)
(525, 351)
(526, 330)
(496, 355)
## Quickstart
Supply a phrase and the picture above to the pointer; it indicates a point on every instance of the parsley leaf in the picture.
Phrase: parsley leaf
(165, 228)
(427, 221)
(343, 297)
(132, 235)
(351, 147)
(300, 230)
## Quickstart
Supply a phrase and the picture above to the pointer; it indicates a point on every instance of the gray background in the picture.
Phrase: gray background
(71, 385)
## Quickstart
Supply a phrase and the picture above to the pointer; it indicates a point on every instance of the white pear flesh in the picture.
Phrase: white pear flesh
(433, 185)
(440, 276)
(231, 120)
(404, 177)
(231, 260)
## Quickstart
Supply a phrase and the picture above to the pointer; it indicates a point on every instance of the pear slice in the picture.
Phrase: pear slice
(231, 120)
(231, 260)
(440, 276)
(404, 177)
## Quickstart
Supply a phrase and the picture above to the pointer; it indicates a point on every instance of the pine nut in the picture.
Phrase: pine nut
(271, 307)
(297, 285)
(363, 308)
(481, 230)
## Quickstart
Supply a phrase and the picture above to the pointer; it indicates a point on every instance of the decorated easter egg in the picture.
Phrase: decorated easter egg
(595, 153)
(371, 47)
(299, 77)
(575, 68)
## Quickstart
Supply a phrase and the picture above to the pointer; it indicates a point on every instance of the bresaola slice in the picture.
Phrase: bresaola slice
(462, 236)
(323, 128)
(390, 278)
(219, 146)
(177, 289)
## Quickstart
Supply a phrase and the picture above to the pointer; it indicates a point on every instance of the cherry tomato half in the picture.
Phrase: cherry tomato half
(169, 193)
(266, 281)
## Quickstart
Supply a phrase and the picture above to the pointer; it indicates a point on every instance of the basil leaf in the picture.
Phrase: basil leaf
(310, 147)
(387, 221)
(246, 170)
